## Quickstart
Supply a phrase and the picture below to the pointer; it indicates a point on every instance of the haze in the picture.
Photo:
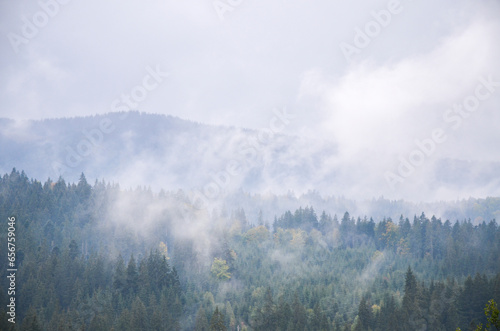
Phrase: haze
(378, 99)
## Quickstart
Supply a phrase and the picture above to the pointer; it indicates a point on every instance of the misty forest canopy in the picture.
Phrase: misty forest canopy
(96, 257)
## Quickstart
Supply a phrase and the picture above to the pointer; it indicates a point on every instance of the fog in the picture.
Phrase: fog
(218, 132)
(393, 111)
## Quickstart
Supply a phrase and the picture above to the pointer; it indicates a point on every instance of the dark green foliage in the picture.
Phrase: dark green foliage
(302, 218)
(217, 321)
(139, 318)
(201, 321)
(493, 315)
(266, 315)
(299, 317)
(100, 323)
(365, 321)
(94, 301)
(31, 323)
(77, 269)
(132, 279)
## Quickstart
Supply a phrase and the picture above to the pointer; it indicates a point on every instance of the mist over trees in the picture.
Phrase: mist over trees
(129, 147)
(97, 257)
(230, 165)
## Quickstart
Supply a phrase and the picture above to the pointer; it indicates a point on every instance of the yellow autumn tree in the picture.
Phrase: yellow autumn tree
(298, 238)
(162, 247)
(258, 234)
(391, 234)
(220, 269)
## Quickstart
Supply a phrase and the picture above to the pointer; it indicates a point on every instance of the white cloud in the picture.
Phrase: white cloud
(375, 111)
(385, 107)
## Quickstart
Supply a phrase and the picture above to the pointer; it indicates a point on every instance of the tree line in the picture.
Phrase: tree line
(186, 269)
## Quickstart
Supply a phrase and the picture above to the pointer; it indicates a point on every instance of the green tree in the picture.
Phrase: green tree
(230, 318)
(316, 318)
(257, 234)
(120, 278)
(217, 321)
(365, 321)
(413, 315)
(83, 188)
(73, 250)
(138, 321)
(99, 323)
(492, 315)
(132, 278)
(124, 320)
(283, 314)
(388, 318)
(31, 323)
(201, 323)
(266, 317)
(299, 318)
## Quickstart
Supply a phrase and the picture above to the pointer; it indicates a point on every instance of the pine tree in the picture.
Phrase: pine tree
(217, 321)
(365, 315)
(99, 323)
(30, 323)
(266, 314)
(83, 189)
(139, 320)
(119, 283)
(132, 278)
(155, 321)
(201, 323)
(230, 318)
(283, 314)
(411, 302)
(299, 314)
(316, 318)
(124, 320)
(389, 318)
(73, 250)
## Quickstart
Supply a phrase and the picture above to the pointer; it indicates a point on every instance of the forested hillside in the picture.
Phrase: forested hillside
(166, 152)
(97, 257)
(135, 148)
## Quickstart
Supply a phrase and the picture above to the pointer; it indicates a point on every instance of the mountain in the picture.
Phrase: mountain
(160, 151)
(166, 152)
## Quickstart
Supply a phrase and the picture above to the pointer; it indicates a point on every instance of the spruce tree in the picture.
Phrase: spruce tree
(132, 278)
(365, 315)
(139, 318)
(201, 323)
(217, 321)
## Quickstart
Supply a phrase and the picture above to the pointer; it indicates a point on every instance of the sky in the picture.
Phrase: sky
(378, 78)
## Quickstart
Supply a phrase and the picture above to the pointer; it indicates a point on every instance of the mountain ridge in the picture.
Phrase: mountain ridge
(135, 141)
(167, 152)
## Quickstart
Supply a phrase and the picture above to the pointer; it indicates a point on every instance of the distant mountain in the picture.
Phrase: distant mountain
(134, 148)
(160, 151)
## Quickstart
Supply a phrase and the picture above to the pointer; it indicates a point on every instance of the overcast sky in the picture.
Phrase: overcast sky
(373, 76)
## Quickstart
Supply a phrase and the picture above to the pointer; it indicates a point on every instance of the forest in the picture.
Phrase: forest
(99, 257)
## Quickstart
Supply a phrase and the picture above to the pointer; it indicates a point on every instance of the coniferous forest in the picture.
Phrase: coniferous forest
(231, 165)
(95, 256)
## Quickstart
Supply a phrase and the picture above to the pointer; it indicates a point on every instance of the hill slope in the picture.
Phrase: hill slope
(167, 152)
